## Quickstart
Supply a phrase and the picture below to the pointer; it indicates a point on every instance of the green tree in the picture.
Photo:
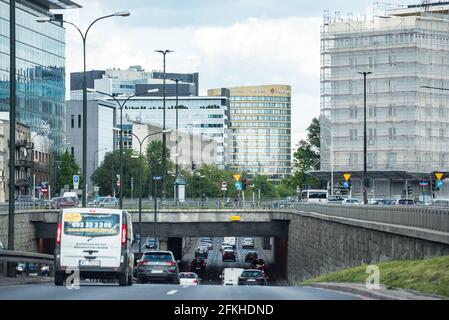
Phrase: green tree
(105, 176)
(267, 189)
(154, 155)
(314, 135)
(68, 168)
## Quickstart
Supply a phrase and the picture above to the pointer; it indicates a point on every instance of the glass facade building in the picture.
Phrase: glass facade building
(260, 130)
(40, 52)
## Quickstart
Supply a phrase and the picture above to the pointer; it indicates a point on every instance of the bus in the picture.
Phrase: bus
(314, 196)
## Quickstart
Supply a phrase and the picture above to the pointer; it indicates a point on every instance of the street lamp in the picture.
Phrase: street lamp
(365, 145)
(164, 140)
(177, 142)
(141, 141)
(121, 106)
(84, 37)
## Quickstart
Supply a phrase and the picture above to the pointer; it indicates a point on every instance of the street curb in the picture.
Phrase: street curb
(26, 282)
(384, 294)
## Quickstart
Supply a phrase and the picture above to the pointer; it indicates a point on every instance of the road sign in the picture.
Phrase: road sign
(76, 181)
(347, 176)
(235, 218)
(237, 177)
(238, 185)
(439, 175)
(96, 189)
(346, 185)
(439, 184)
(424, 183)
(157, 178)
(224, 186)
(118, 183)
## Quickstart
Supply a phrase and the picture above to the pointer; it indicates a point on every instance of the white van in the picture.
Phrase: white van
(231, 241)
(96, 242)
(230, 276)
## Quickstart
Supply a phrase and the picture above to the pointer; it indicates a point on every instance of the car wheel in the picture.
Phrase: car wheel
(123, 279)
(59, 279)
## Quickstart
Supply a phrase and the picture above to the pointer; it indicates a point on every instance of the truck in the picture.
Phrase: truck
(231, 240)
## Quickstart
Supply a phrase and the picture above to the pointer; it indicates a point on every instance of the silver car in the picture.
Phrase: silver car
(158, 265)
(106, 202)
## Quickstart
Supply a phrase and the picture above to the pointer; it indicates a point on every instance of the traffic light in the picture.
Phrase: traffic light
(262, 186)
(193, 165)
(434, 185)
(244, 184)
(410, 190)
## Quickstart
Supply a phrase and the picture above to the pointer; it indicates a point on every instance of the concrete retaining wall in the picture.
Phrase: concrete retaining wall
(25, 233)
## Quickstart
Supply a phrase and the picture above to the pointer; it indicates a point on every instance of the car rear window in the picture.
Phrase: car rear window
(252, 274)
(157, 256)
(89, 225)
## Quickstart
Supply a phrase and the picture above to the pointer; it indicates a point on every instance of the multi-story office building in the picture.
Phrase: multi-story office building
(101, 120)
(200, 116)
(406, 50)
(260, 130)
(133, 80)
(40, 52)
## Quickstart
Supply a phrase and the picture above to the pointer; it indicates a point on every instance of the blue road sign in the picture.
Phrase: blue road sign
(76, 179)
(439, 184)
(157, 178)
(346, 185)
(424, 184)
(238, 185)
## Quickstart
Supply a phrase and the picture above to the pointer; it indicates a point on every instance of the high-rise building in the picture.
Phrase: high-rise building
(260, 130)
(406, 51)
(40, 52)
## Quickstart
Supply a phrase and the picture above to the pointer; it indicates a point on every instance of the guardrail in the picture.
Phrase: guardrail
(26, 257)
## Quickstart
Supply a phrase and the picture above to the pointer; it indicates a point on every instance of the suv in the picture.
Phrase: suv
(157, 265)
(202, 252)
(228, 255)
(107, 202)
(250, 256)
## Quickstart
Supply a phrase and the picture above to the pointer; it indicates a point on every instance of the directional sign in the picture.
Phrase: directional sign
(439, 184)
(346, 185)
(439, 175)
(76, 182)
(237, 177)
(224, 186)
(238, 185)
(347, 176)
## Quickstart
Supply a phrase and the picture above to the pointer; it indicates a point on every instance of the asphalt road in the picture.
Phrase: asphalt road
(166, 292)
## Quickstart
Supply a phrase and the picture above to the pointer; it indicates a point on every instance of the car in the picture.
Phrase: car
(198, 265)
(252, 277)
(350, 201)
(188, 279)
(387, 202)
(225, 244)
(27, 268)
(98, 243)
(107, 202)
(209, 245)
(230, 276)
(228, 255)
(201, 252)
(405, 202)
(158, 265)
(67, 202)
(151, 244)
(336, 199)
(248, 243)
(27, 199)
(250, 256)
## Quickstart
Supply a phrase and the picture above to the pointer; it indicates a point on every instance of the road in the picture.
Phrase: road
(166, 292)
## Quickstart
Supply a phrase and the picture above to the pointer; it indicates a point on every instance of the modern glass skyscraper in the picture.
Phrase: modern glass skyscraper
(40, 52)
(260, 130)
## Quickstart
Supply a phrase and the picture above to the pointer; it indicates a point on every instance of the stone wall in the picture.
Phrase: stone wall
(25, 233)
(317, 247)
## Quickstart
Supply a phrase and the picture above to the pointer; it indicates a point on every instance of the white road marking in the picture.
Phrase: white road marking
(171, 292)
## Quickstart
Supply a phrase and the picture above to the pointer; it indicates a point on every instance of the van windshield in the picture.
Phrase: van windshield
(89, 225)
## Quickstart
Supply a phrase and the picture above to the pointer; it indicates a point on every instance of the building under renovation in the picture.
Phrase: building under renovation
(406, 51)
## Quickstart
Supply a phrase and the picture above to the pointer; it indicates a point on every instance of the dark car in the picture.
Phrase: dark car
(157, 265)
(151, 244)
(202, 252)
(250, 256)
(198, 265)
(228, 255)
(252, 277)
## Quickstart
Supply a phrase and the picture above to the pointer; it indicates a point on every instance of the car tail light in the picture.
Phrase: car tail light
(123, 234)
(195, 281)
(171, 263)
(58, 234)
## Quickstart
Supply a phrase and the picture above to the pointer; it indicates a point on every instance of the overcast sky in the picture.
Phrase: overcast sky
(229, 42)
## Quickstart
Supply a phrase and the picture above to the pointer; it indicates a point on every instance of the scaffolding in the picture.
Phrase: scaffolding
(407, 49)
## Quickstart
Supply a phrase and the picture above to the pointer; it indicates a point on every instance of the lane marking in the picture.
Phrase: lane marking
(171, 292)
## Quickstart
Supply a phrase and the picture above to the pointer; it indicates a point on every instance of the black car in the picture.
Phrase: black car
(198, 265)
(252, 277)
(250, 256)
(228, 255)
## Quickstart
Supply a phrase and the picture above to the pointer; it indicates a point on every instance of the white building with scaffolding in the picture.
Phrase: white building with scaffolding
(407, 51)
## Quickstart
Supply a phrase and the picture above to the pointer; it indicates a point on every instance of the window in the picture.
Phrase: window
(371, 160)
(353, 134)
(372, 112)
(392, 133)
(391, 110)
(371, 62)
(79, 121)
(353, 159)
(429, 132)
(392, 159)
(72, 120)
(392, 60)
(372, 133)
(353, 112)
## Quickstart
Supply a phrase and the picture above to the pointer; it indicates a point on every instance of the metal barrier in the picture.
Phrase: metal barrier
(26, 257)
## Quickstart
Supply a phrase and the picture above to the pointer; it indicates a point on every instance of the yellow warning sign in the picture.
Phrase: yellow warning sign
(237, 177)
(347, 176)
(439, 175)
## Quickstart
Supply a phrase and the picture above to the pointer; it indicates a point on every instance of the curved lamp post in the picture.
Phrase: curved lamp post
(84, 37)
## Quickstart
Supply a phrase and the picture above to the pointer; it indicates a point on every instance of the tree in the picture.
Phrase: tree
(68, 168)
(105, 176)
(154, 155)
(314, 135)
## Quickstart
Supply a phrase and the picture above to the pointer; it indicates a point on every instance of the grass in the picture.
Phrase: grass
(426, 276)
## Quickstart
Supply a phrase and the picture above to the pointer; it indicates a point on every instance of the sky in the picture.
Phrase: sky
(229, 42)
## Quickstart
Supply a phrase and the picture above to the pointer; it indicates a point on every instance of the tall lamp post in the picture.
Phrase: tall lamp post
(121, 106)
(84, 37)
(365, 145)
(141, 141)
(164, 140)
(177, 142)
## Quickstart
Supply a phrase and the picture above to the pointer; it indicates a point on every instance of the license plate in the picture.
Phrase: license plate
(90, 263)
(157, 271)
(251, 280)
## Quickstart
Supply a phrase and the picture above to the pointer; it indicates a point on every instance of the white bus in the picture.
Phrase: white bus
(95, 244)
(314, 196)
